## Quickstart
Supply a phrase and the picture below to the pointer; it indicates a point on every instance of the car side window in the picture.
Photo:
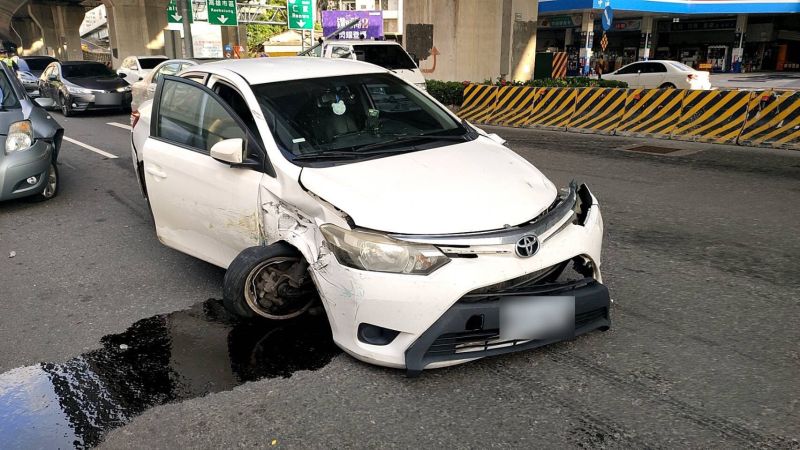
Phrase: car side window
(339, 51)
(657, 68)
(190, 117)
(167, 69)
(633, 68)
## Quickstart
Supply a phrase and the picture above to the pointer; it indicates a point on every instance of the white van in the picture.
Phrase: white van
(387, 54)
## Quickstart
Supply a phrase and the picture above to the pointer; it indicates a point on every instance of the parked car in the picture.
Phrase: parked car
(387, 54)
(424, 237)
(143, 89)
(661, 74)
(30, 68)
(77, 86)
(135, 68)
(30, 139)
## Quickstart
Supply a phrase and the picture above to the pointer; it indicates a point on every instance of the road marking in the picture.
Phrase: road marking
(119, 125)
(89, 147)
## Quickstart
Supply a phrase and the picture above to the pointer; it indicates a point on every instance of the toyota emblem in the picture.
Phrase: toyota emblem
(527, 246)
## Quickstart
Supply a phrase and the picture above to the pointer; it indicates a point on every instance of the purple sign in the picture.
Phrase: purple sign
(370, 25)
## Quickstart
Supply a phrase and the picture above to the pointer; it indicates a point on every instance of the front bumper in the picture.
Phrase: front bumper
(17, 167)
(412, 305)
(452, 338)
(111, 100)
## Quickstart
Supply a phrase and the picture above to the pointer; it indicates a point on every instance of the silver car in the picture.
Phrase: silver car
(144, 89)
(29, 142)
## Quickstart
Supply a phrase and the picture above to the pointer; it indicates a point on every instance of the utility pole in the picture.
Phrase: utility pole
(188, 42)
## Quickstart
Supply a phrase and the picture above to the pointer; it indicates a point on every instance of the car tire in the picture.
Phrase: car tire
(262, 282)
(51, 186)
(667, 86)
(66, 109)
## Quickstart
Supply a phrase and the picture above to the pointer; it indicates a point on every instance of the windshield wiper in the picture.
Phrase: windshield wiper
(338, 154)
(409, 138)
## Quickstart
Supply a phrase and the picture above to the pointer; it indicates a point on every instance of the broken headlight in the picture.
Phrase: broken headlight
(377, 253)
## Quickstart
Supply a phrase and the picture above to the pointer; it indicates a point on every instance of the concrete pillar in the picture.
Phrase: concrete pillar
(42, 16)
(587, 41)
(68, 21)
(646, 42)
(737, 55)
(136, 27)
(29, 36)
(523, 39)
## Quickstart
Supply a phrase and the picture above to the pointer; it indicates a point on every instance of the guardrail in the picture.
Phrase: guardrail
(767, 118)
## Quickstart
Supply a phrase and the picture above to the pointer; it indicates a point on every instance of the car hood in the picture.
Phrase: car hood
(472, 186)
(104, 83)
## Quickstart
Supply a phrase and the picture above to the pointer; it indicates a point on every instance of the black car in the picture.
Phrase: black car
(29, 69)
(83, 85)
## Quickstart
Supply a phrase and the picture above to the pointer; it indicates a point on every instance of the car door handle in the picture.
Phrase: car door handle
(155, 172)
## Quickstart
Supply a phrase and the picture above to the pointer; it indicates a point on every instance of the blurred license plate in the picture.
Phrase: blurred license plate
(537, 317)
(107, 99)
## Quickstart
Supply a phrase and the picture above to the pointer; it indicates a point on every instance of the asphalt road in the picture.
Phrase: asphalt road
(108, 337)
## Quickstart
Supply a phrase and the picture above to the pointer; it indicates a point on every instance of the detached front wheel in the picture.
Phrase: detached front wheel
(270, 282)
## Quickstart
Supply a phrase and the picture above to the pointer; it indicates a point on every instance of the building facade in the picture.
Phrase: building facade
(715, 35)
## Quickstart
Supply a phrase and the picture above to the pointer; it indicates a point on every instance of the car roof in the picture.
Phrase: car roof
(78, 63)
(151, 56)
(39, 57)
(285, 68)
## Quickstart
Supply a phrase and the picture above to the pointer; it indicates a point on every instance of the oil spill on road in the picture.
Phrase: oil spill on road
(161, 359)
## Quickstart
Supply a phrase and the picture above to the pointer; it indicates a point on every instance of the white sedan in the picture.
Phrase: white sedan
(660, 74)
(427, 241)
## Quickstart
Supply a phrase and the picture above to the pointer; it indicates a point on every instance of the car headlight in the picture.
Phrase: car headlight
(20, 136)
(378, 253)
(78, 90)
(124, 89)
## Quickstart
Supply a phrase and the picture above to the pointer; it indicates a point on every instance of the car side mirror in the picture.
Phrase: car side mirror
(229, 150)
(45, 102)
(639, 72)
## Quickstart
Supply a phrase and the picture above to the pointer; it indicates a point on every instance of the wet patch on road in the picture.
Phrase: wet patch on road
(161, 359)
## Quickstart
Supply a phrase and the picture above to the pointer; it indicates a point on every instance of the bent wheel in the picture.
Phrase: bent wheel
(270, 282)
(51, 185)
(66, 110)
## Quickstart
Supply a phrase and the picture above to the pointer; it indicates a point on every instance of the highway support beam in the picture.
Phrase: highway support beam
(136, 27)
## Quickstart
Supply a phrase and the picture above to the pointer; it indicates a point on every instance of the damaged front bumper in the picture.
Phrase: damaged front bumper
(403, 321)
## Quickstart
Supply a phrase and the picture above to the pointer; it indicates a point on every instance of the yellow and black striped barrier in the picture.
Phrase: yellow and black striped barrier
(514, 105)
(712, 116)
(479, 102)
(773, 120)
(552, 108)
(651, 112)
(598, 110)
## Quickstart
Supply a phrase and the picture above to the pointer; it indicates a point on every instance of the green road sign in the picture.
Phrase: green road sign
(174, 16)
(222, 12)
(301, 14)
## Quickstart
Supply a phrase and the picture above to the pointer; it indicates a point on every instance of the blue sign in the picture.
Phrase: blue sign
(228, 48)
(608, 18)
(678, 6)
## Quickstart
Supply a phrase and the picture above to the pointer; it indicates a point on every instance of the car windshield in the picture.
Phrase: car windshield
(9, 98)
(391, 57)
(352, 113)
(86, 70)
(34, 64)
(149, 63)
(680, 66)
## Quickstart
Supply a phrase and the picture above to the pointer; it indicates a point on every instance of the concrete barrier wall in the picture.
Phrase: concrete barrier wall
(758, 118)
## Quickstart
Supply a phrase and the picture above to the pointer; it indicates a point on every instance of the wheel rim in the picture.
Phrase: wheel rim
(271, 289)
(52, 182)
(64, 108)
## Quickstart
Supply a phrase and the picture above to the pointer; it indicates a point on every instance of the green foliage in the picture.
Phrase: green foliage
(447, 92)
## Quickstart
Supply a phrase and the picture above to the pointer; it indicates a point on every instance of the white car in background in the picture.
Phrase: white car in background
(135, 68)
(427, 241)
(387, 54)
(144, 89)
(660, 74)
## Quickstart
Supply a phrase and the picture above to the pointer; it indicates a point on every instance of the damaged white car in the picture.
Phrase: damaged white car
(427, 241)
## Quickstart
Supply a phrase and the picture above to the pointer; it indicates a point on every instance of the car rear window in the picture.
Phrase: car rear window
(390, 57)
(35, 63)
(149, 63)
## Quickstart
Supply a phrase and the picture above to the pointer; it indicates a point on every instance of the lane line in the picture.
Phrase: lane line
(119, 125)
(89, 147)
